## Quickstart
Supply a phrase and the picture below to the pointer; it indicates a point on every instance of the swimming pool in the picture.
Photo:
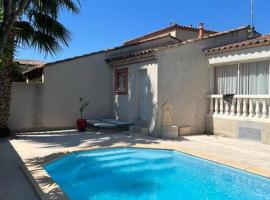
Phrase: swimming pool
(134, 173)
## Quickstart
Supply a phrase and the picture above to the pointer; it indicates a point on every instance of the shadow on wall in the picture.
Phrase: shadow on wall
(140, 104)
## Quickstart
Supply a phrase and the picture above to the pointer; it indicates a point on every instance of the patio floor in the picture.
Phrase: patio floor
(37, 148)
(13, 183)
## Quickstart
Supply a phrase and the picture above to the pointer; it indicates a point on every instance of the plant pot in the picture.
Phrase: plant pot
(81, 124)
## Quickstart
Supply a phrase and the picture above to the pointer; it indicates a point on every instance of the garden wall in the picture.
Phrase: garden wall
(25, 110)
(55, 103)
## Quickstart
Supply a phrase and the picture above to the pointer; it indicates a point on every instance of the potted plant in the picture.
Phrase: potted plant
(82, 123)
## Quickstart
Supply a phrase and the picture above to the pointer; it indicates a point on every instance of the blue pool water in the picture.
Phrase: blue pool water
(131, 173)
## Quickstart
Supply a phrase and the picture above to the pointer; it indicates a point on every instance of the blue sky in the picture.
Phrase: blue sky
(104, 24)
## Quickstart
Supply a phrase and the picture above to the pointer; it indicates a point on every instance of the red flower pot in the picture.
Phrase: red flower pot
(81, 124)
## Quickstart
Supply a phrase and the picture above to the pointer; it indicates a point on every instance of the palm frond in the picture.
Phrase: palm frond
(27, 36)
(48, 25)
(40, 27)
(52, 7)
(45, 43)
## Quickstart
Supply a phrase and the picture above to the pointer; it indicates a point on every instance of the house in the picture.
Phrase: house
(240, 68)
(192, 68)
(32, 69)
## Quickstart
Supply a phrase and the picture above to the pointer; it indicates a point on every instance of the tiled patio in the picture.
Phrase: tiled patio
(37, 148)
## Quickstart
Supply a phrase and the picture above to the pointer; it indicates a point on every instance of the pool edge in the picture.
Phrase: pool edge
(53, 191)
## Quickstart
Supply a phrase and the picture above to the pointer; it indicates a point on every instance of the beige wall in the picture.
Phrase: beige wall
(127, 107)
(185, 35)
(229, 126)
(183, 81)
(25, 110)
(57, 103)
(180, 75)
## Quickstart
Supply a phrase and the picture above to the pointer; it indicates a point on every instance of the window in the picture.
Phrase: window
(246, 78)
(254, 78)
(121, 81)
(226, 79)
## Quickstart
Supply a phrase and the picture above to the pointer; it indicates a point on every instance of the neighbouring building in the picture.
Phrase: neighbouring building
(32, 69)
(217, 82)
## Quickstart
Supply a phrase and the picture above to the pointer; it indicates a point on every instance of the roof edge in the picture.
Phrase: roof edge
(166, 29)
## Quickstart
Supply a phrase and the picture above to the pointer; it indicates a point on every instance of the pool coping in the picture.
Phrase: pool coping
(51, 190)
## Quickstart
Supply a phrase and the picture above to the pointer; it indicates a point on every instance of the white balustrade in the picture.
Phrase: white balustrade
(257, 108)
(221, 108)
(238, 109)
(264, 109)
(216, 106)
(251, 108)
(245, 106)
(233, 107)
(227, 108)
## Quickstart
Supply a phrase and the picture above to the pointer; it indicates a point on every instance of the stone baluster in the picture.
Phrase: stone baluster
(233, 107)
(251, 109)
(227, 108)
(216, 106)
(238, 109)
(264, 109)
(221, 108)
(244, 107)
(211, 106)
(257, 108)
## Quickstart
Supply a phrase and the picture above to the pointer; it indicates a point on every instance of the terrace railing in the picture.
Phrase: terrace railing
(247, 106)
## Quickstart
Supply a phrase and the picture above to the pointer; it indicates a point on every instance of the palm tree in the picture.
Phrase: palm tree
(28, 23)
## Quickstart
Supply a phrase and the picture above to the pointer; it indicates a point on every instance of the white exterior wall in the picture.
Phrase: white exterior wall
(58, 101)
(25, 104)
(127, 107)
(183, 80)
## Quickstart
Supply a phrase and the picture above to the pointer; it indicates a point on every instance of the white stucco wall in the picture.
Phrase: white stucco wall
(65, 82)
(25, 112)
(183, 76)
(179, 75)
(127, 107)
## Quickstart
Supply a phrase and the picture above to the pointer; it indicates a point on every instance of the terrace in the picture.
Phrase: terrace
(38, 148)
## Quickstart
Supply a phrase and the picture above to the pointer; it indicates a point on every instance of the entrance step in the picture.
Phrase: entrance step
(140, 129)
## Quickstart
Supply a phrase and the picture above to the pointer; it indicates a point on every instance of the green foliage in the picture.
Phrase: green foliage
(39, 27)
(17, 73)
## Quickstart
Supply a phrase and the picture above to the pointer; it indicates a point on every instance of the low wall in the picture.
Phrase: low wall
(55, 103)
(26, 100)
(237, 127)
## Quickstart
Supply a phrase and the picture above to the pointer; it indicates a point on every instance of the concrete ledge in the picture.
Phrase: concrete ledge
(49, 190)
(170, 132)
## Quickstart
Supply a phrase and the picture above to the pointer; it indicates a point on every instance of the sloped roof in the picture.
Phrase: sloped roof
(256, 42)
(178, 43)
(214, 35)
(167, 29)
(33, 64)
(29, 62)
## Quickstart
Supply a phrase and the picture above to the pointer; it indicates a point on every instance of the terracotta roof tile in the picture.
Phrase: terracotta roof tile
(34, 63)
(167, 29)
(29, 62)
(256, 42)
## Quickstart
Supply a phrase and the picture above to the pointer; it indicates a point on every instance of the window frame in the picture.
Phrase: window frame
(117, 74)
